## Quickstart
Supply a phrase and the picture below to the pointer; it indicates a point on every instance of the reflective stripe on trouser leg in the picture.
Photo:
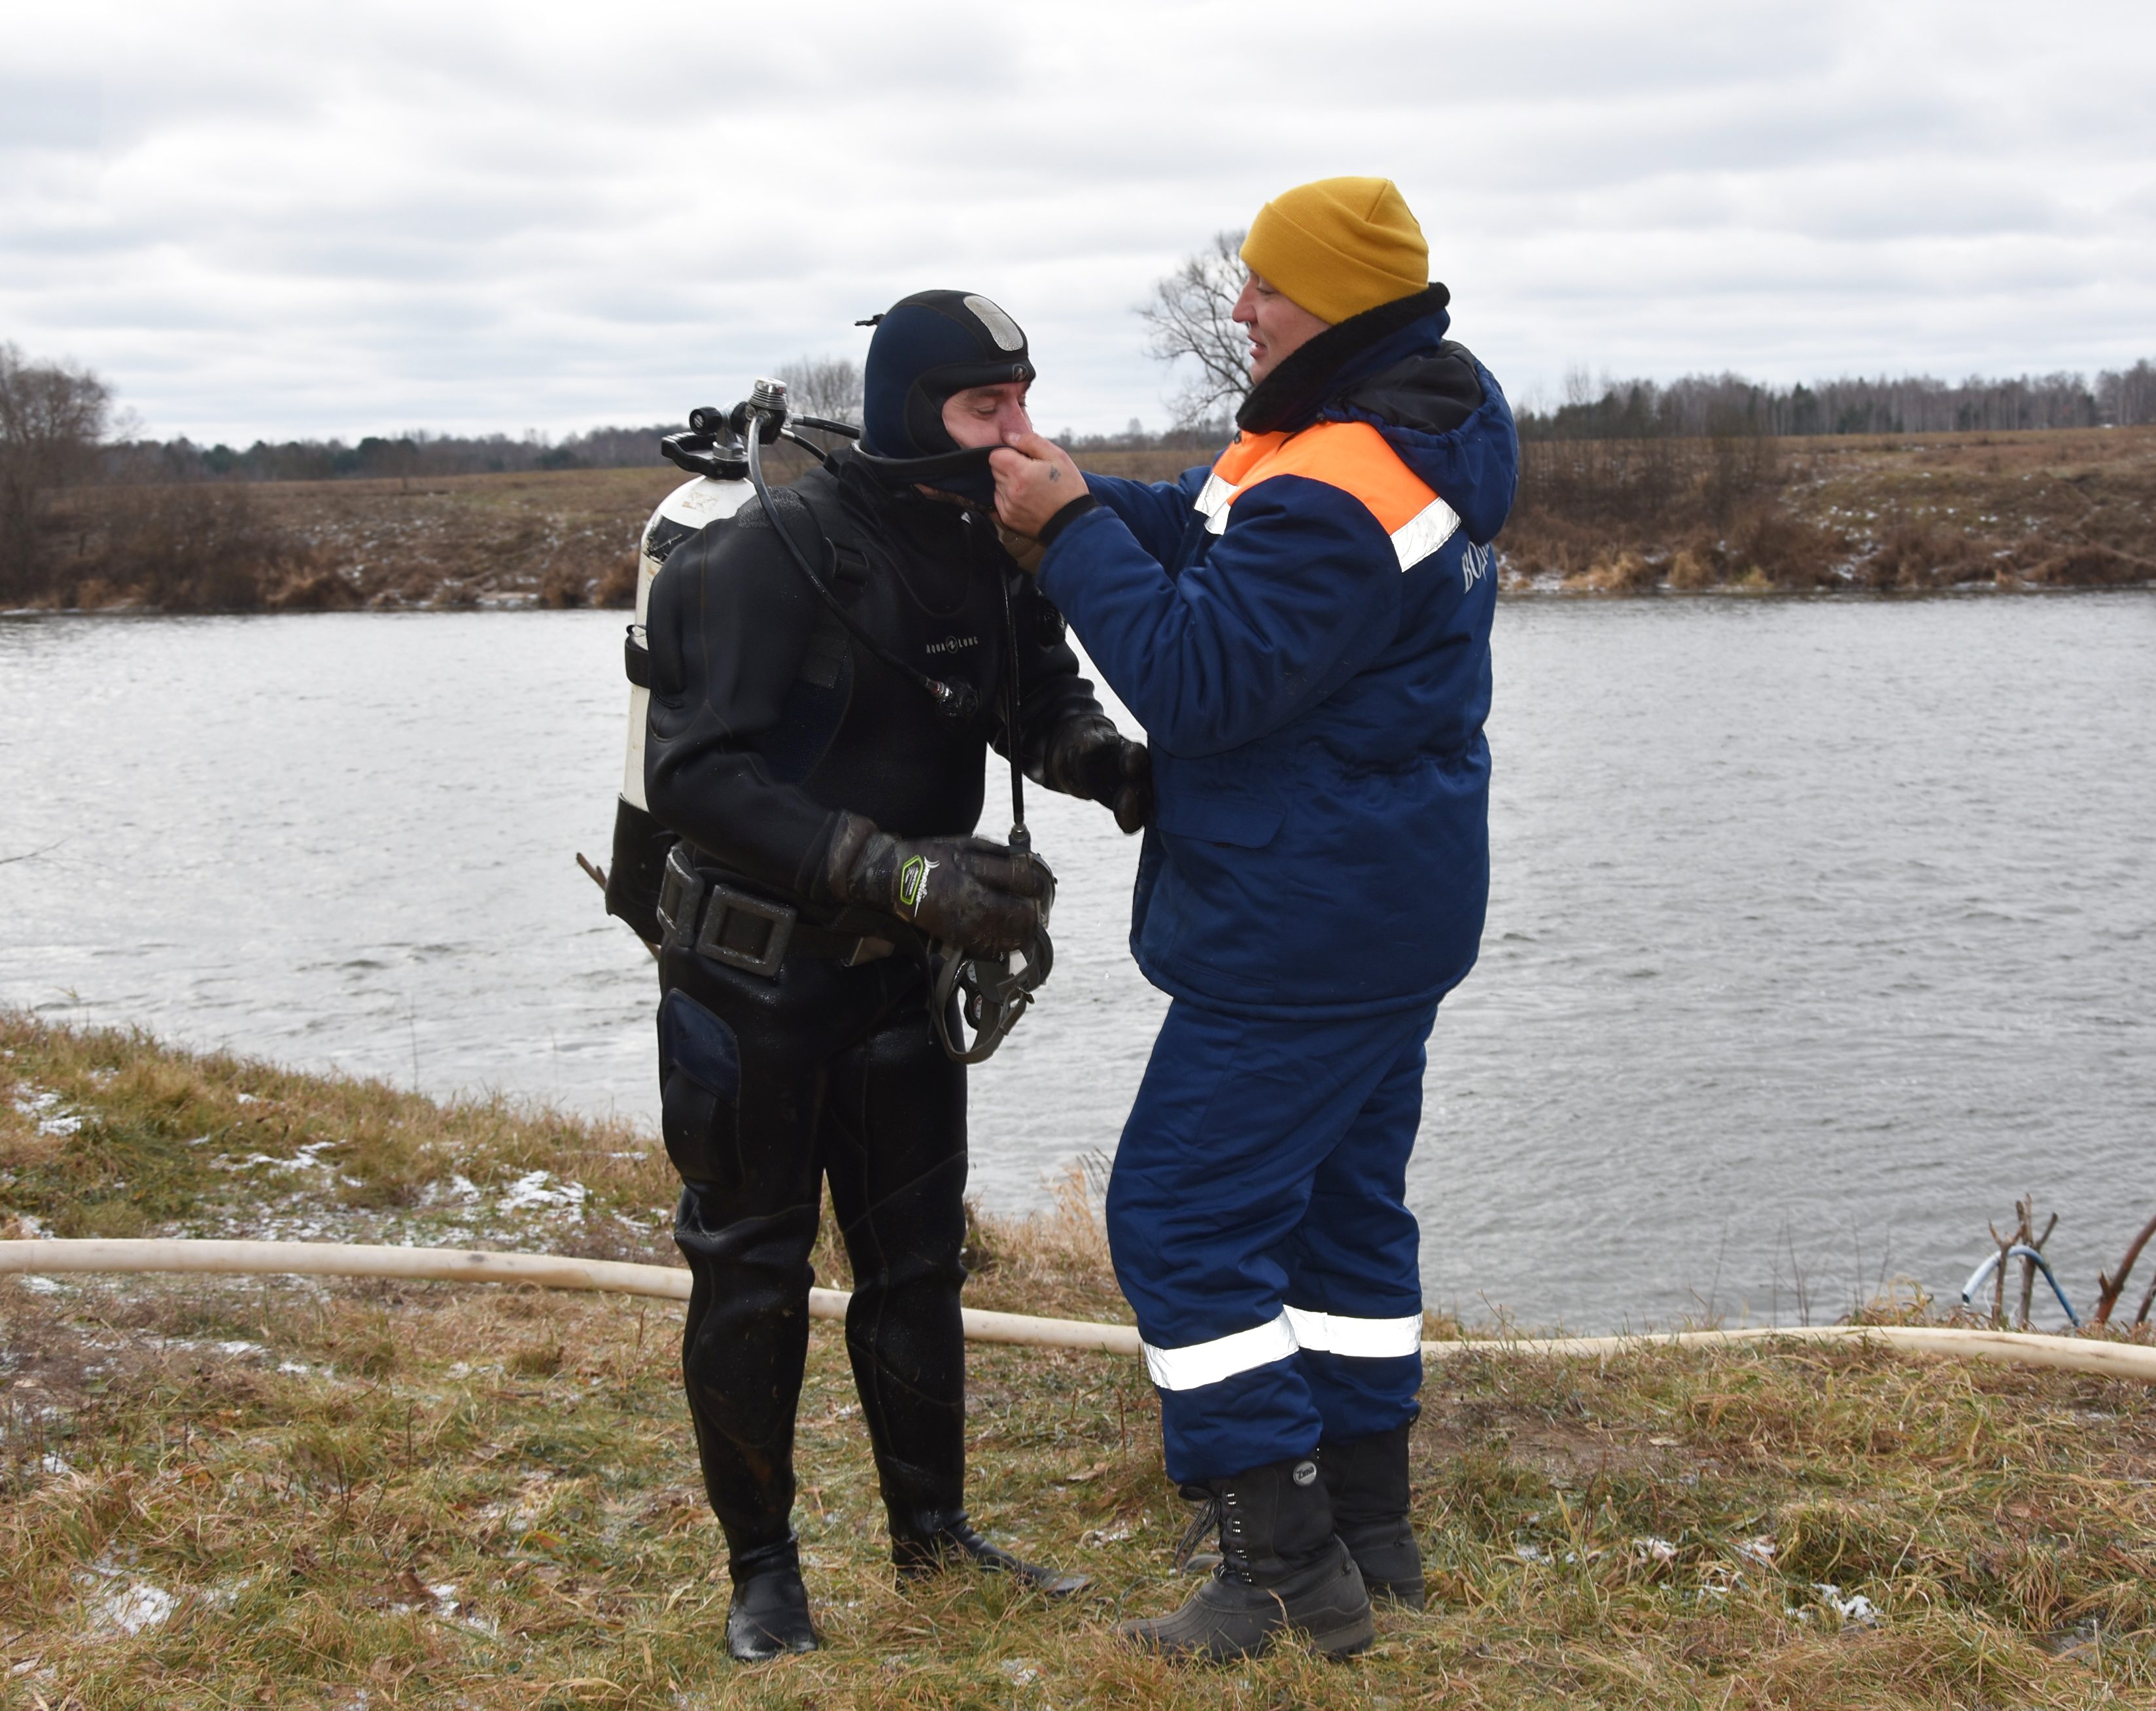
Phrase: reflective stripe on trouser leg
(1198, 1364)
(1364, 1339)
(1233, 1124)
(1354, 1292)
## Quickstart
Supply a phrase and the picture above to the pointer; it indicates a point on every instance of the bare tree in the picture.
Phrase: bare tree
(2128, 399)
(1192, 315)
(829, 386)
(52, 418)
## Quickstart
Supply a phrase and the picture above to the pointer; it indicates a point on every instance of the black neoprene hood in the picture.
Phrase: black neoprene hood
(927, 347)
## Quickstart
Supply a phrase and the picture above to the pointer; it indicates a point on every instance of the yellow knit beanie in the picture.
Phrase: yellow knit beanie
(1339, 245)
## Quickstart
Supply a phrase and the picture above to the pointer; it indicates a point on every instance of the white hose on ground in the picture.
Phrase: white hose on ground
(671, 1284)
(462, 1265)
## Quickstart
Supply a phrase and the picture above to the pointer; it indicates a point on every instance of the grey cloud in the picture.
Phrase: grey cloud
(487, 218)
(57, 113)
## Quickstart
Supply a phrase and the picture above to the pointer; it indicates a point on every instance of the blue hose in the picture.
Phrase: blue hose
(2019, 1250)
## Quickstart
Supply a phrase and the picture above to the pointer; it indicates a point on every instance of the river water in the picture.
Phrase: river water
(1821, 930)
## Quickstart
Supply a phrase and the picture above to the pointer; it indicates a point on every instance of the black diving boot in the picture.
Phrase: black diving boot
(927, 1542)
(1282, 1570)
(1368, 1482)
(769, 1615)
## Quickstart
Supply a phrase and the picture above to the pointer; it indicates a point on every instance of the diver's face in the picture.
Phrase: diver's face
(988, 415)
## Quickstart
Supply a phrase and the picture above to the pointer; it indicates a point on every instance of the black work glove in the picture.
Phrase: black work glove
(1090, 758)
(965, 891)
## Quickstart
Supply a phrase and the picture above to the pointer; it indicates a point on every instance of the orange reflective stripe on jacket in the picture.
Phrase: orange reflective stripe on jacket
(1352, 456)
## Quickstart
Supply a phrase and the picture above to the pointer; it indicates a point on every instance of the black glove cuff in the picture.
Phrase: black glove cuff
(850, 839)
(1065, 518)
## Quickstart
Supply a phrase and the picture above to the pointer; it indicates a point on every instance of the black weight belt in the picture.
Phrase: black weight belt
(743, 930)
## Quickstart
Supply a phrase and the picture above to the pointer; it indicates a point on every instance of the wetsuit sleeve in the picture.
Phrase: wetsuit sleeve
(728, 622)
(1300, 593)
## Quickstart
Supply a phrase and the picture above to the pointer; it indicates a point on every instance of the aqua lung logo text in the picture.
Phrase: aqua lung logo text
(952, 644)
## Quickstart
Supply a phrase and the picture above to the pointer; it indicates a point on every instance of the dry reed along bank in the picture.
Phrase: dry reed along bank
(227, 1491)
(1901, 514)
(552, 538)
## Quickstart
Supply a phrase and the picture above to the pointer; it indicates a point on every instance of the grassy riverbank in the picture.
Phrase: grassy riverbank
(1902, 514)
(1899, 514)
(242, 1492)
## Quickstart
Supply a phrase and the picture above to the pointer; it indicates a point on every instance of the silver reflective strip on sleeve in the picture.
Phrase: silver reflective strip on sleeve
(1365, 1339)
(1200, 1364)
(1213, 501)
(1424, 532)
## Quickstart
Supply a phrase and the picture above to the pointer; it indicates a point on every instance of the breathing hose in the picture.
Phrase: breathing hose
(996, 995)
(767, 403)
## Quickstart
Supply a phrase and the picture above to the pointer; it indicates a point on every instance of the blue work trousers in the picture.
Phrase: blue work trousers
(1258, 1220)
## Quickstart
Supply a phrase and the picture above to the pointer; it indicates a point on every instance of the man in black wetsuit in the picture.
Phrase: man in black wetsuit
(808, 769)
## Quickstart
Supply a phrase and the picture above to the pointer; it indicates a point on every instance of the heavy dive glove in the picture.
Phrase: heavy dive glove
(964, 891)
(1090, 758)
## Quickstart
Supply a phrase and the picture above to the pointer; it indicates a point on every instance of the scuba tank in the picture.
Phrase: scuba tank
(720, 486)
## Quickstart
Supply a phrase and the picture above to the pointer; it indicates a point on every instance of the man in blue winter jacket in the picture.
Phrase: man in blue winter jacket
(1304, 632)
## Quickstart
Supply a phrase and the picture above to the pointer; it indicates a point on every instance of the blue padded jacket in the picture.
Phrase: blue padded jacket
(1313, 674)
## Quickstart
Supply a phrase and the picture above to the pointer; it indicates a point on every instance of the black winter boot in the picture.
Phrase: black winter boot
(1368, 1482)
(769, 1615)
(934, 1542)
(1282, 1570)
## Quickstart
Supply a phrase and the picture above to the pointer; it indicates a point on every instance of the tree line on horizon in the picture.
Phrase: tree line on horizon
(1700, 407)
(1695, 407)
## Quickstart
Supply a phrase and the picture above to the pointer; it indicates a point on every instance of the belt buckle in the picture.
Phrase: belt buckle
(746, 932)
(681, 890)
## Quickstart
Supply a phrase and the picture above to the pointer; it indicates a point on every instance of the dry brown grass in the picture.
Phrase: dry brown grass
(1897, 514)
(552, 538)
(435, 1495)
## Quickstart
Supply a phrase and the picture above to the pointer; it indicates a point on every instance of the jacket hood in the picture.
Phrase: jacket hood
(1441, 411)
(1446, 419)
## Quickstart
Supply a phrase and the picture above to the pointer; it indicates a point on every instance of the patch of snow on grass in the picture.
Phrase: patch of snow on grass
(532, 1190)
(130, 1610)
(40, 1108)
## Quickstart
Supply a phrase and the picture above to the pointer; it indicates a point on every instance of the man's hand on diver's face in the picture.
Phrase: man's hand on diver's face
(1034, 479)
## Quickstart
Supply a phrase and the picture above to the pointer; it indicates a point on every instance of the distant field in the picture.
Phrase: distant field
(1900, 513)
(1893, 513)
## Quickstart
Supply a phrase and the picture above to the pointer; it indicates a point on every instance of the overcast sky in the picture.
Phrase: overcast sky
(278, 220)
